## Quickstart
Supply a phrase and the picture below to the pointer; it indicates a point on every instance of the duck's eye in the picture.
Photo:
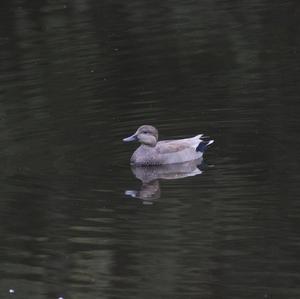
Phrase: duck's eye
(145, 132)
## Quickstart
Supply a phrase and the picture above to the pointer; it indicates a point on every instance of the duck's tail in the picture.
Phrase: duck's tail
(202, 146)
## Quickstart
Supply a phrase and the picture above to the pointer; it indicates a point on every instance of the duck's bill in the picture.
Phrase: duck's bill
(130, 138)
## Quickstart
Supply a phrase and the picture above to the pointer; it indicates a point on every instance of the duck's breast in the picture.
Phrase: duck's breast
(146, 155)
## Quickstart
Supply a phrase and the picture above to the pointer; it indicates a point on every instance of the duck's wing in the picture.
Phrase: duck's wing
(173, 146)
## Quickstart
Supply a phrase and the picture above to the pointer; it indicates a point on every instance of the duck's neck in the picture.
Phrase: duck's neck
(148, 145)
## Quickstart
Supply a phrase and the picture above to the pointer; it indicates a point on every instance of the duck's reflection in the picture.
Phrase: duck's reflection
(150, 176)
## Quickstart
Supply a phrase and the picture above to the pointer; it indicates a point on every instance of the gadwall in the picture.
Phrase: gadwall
(154, 152)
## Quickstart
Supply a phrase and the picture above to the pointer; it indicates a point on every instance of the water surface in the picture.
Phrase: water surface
(78, 76)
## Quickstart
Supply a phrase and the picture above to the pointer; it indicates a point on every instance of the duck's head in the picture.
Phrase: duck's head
(145, 134)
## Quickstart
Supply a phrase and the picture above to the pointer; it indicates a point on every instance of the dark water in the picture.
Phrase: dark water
(78, 76)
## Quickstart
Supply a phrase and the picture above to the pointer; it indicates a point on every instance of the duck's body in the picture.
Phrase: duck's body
(167, 152)
(153, 152)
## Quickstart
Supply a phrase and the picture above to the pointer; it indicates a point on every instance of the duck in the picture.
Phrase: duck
(154, 152)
